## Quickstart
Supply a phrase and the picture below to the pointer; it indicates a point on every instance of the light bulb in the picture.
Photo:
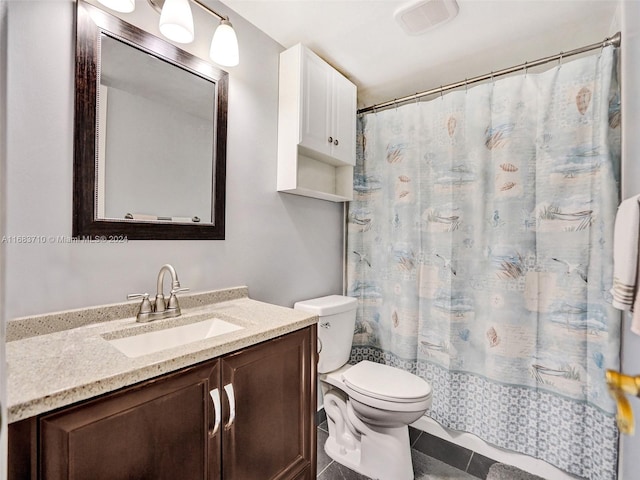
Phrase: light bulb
(224, 45)
(176, 21)
(124, 6)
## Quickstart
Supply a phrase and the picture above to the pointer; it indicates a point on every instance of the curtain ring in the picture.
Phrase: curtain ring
(395, 103)
(526, 68)
(466, 86)
(441, 89)
(417, 95)
(560, 59)
(492, 81)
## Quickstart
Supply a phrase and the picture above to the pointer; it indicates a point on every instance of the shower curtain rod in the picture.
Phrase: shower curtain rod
(613, 40)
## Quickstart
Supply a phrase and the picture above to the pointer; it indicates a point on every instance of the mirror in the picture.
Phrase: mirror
(150, 135)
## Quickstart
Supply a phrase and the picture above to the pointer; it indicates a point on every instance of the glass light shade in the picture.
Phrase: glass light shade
(176, 21)
(224, 46)
(124, 6)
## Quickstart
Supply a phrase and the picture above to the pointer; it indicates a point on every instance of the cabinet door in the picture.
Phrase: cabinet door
(161, 429)
(316, 104)
(272, 436)
(344, 119)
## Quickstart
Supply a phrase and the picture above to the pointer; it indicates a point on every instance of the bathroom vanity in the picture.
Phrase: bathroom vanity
(237, 405)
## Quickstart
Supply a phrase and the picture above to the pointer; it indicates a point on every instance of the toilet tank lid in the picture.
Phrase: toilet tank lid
(329, 305)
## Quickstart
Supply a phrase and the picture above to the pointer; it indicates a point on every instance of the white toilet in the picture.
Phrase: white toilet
(369, 405)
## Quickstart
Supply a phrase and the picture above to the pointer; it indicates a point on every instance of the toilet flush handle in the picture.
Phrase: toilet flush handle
(325, 325)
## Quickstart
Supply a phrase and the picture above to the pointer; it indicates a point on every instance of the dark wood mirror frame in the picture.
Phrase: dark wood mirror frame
(91, 22)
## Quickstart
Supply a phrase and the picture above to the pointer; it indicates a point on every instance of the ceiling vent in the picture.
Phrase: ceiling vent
(421, 16)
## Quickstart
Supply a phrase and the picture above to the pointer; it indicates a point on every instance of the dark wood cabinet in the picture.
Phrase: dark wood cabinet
(248, 415)
(271, 389)
(155, 431)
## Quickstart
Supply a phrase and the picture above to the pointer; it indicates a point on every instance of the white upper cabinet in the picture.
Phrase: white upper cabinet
(317, 105)
(344, 119)
(316, 127)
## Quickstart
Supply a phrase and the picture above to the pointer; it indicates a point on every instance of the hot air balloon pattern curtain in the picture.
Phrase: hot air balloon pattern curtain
(479, 248)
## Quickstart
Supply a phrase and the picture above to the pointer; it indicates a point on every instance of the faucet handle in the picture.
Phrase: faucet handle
(145, 306)
(131, 296)
(172, 303)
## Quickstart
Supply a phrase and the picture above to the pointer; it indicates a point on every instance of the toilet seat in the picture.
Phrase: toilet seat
(386, 387)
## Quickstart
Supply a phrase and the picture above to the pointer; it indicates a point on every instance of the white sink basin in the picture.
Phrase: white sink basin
(151, 342)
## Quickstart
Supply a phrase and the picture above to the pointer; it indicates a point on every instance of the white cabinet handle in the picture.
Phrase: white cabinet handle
(330, 139)
(217, 411)
(228, 388)
(335, 142)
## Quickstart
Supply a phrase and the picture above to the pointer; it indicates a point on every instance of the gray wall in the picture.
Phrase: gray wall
(630, 82)
(284, 247)
(3, 138)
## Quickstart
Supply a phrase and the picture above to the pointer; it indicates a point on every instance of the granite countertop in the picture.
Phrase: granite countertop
(58, 359)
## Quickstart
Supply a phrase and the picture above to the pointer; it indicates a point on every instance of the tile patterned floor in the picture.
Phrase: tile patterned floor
(426, 467)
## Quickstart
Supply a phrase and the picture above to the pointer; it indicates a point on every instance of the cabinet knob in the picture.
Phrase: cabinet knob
(335, 142)
(330, 139)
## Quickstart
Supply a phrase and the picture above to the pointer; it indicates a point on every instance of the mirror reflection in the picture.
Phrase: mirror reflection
(156, 135)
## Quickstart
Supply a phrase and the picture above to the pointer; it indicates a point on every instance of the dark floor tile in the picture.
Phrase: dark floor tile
(321, 416)
(428, 468)
(414, 433)
(479, 465)
(444, 451)
(501, 471)
(337, 471)
(323, 458)
(324, 426)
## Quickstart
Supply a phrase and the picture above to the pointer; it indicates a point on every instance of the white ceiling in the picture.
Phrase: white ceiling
(362, 40)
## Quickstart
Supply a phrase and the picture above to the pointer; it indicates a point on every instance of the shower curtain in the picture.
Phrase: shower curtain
(479, 248)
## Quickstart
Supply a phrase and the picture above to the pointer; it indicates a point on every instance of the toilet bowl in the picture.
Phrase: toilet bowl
(368, 405)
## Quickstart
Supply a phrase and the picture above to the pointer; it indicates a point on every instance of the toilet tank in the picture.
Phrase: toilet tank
(335, 328)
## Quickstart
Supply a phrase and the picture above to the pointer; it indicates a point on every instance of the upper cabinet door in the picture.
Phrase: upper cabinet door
(344, 119)
(328, 111)
(316, 104)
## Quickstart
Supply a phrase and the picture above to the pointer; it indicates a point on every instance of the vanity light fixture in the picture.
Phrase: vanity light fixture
(176, 23)
(224, 45)
(124, 6)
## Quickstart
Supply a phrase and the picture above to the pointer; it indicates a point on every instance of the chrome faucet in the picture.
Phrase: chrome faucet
(160, 308)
